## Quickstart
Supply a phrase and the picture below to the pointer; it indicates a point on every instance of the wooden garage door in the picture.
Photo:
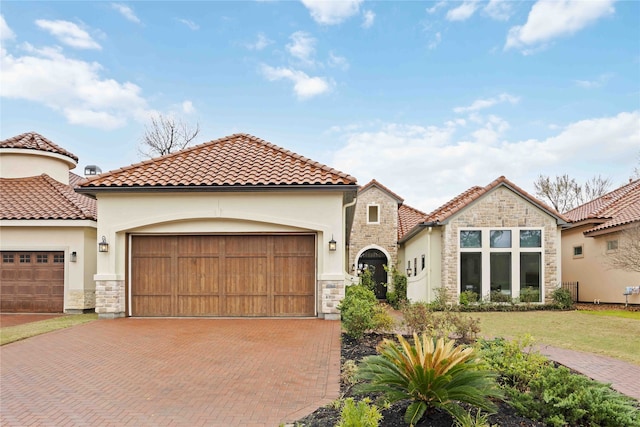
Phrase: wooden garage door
(223, 275)
(32, 282)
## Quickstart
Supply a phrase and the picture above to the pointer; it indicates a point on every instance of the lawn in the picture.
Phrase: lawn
(594, 332)
(10, 334)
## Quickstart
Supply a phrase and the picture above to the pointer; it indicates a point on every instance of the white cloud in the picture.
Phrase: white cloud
(549, 19)
(302, 47)
(437, 38)
(500, 10)
(188, 108)
(429, 165)
(436, 7)
(337, 61)
(75, 88)
(192, 25)
(368, 17)
(480, 104)
(5, 31)
(332, 12)
(126, 11)
(593, 84)
(462, 12)
(261, 42)
(68, 33)
(304, 86)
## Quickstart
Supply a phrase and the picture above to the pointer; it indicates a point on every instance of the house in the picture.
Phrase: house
(232, 227)
(47, 230)
(599, 231)
(497, 241)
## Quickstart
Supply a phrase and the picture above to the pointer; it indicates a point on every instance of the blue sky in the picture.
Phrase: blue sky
(429, 98)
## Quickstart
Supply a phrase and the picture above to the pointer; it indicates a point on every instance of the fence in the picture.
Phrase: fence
(573, 288)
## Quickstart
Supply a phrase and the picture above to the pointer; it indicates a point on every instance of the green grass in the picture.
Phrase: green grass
(609, 335)
(615, 313)
(11, 334)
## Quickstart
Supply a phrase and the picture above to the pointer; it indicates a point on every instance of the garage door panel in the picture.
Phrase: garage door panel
(198, 275)
(294, 245)
(246, 246)
(153, 245)
(151, 305)
(246, 276)
(246, 306)
(291, 305)
(199, 245)
(152, 276)
(201, 305)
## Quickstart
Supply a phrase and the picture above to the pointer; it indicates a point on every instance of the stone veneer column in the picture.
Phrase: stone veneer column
(80, 301)
(332, 292)
(110, 299)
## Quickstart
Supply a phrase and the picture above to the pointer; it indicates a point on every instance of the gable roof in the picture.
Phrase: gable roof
(463, 200)
(42, 197)
(35, 141)
(235, 161)
(618, 207)
(408, 218)
(374, 183)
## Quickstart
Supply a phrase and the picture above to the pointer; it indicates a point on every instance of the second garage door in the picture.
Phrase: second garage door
(261, 275)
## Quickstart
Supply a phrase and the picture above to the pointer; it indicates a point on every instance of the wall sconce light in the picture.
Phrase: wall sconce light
(332, 245)
(103, 246)
(409, 271)
(73, 257)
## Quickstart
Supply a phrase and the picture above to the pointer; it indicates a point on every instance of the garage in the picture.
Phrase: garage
(32, 282)
(223, 275)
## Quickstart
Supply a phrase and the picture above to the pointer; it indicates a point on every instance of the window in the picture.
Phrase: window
(7, 258)
(58, 259)
(25, 259)
(612, 245)
(42, 258)
(415, 266)
(577, 251)
(471, 239)
(423, 262)
(373, 216)
(502, 263)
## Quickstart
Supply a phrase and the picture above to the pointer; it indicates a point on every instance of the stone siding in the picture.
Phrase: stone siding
(80, 300)
(332, 292)
(110, 298)
(384, 234)
(500, 208)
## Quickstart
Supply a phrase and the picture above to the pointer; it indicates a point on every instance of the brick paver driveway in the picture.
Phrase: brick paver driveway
(214, 372)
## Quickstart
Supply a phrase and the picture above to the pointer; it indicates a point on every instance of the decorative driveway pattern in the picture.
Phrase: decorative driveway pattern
(178, 372)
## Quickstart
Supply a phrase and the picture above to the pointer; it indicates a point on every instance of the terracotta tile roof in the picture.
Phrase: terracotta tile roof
(42, 197)
(236, 160)
(408, 218)
(619, 207)
(374, 183)
(463, 200)
(34, 141)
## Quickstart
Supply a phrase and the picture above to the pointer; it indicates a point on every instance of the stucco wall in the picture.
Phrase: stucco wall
(22, 163)
(421, 286)
(79, 287)
(247, 212)
(502, 208)
(597, 281)
(382, 236)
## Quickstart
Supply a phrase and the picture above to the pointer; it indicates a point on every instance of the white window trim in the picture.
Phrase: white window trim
(573, 251)
(378, 207)
(515, 250)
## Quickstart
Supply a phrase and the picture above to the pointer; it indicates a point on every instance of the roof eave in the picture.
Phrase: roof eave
(93, 190)
(417, 229)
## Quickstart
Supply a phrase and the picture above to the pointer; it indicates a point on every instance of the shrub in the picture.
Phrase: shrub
(562, 298)
(528, 295)
(418, 318)
(348, 372)
(559, 398)
(382, 320)
(361, 414)
(392, 300)
(497, 296)
(441, 301)
(468, 297)
(367, 280)
(357, 310)
(465, 327)
(398, 296)
(480, 419)
(432, 373)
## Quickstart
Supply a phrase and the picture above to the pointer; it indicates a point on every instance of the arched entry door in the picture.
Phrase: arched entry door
(376, 260)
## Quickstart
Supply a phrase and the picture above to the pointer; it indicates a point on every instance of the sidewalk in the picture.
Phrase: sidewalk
(623, 376)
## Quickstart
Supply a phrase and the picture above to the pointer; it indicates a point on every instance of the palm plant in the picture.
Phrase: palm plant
(432, 373)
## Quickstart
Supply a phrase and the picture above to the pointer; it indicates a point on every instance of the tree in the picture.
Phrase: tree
(627, 255)
(565, 193)
(165, 135)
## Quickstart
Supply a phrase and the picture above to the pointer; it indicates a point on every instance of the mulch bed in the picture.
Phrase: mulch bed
(394, 415)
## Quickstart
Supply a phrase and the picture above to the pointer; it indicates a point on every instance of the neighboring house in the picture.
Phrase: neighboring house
(47, 230)
(497, 241)
(232, 227)
(597, 232)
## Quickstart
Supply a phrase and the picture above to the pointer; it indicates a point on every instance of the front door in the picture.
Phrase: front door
(375, 260)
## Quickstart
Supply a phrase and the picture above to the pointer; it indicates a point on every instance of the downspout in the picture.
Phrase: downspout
(344, 228)
(429, 263)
